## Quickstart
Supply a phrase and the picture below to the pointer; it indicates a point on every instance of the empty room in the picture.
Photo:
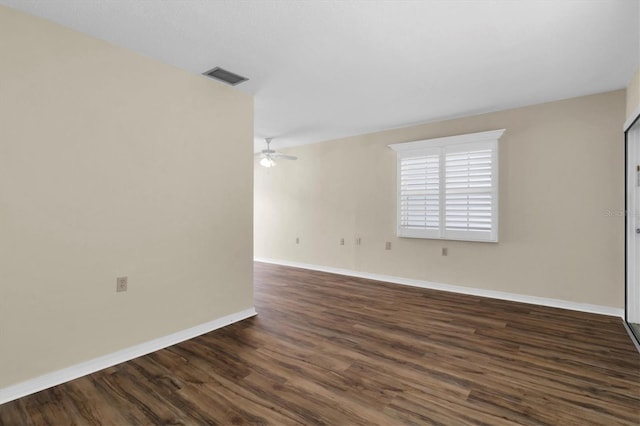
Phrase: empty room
(327, 212)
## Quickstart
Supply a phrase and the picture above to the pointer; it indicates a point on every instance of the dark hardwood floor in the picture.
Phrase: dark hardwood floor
(328, 349)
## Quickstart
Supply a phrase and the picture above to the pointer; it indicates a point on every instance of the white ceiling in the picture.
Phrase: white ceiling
(325, 69)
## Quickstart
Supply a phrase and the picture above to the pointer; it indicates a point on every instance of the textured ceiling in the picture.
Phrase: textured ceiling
(325, 69)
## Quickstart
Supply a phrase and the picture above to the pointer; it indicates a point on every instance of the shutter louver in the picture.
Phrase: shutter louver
(420, 192)
(468, 189)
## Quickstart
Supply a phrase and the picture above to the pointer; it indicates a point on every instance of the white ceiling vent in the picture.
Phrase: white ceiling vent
(225, 76)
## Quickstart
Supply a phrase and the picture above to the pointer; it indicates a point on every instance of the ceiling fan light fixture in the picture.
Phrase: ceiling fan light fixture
(267, 162)
(267, 155)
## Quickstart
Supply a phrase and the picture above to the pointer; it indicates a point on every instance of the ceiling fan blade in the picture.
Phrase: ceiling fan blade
(284, 156)
(269, 155)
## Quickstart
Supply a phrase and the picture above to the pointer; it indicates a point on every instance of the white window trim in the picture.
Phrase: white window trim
(441, 146)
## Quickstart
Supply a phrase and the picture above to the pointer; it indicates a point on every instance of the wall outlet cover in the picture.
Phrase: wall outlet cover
(121, 284)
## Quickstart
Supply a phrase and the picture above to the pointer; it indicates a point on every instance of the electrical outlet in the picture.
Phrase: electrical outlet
(121, 284)
(297, 240)
(358, 241)
(387, 246)
(341, 241)
(445, 251)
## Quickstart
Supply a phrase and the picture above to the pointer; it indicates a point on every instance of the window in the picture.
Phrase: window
(448, 187)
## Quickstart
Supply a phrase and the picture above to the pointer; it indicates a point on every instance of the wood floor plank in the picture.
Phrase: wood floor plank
(327, 349)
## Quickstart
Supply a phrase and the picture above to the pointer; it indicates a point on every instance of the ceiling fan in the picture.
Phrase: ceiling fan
(268, 156)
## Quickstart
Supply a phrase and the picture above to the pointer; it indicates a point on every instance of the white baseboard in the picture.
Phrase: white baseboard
(66, 374)
(514, 297)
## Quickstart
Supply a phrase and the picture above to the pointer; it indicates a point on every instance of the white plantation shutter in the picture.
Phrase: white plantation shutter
(420, 193)
(469, 191)
(448, 187)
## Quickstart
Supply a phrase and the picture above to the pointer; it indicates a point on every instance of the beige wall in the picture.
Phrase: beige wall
(113, 164)
(633, 95)
(561, 172)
